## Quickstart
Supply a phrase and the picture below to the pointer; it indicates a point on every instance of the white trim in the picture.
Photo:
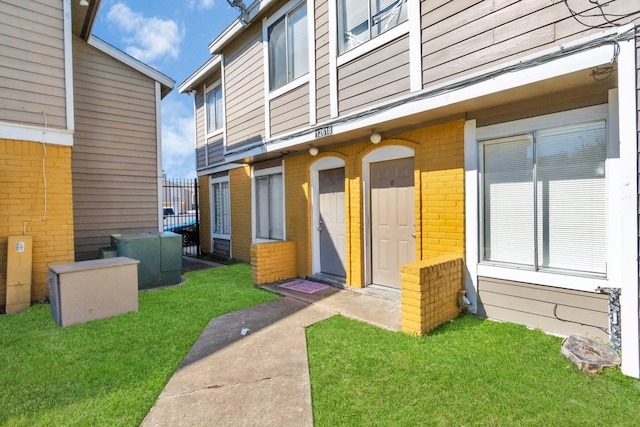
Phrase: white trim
(68, 65)
(224, 106)
(263, 172)
(628, 213)
(324, 163)
(415, 45)
(130, 61)
(219, 168)
(200, 73)
(389, 152)
(20, 132)
(311, 27)
(374, 43)
(471, 170)
(158, 91)
(265, 71)
(333, 60)
(563, 281)
(293, 84)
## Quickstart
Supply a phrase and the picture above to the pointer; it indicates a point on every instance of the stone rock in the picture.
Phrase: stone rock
(588, 355)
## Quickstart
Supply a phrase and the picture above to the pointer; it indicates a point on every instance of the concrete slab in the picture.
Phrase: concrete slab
(381, 312)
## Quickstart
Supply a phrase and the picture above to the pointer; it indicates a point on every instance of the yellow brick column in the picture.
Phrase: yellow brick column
(273, 261)
(430, 292)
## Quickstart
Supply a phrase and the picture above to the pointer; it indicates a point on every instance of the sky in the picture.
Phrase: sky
(171, 36)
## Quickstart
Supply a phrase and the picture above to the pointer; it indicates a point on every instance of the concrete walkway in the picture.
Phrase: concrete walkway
(249, 368)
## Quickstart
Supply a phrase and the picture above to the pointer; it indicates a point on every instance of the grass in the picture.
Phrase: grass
(110, 371)
(468, 372)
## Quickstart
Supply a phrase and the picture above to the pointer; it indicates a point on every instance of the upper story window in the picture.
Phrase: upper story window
(288, 47)
(213, 100)
(362, 20)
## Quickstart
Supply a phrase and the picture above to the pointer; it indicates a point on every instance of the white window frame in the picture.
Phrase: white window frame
(266, 23)
(569, 280)
(213, 132)
(254, 214)
(212, 182)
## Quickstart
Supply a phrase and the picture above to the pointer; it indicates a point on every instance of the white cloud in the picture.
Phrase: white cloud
(147, 39)
(178, 138)
(201, 4)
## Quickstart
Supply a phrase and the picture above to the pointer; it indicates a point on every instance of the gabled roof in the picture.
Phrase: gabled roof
(201, 74)
(166, 82)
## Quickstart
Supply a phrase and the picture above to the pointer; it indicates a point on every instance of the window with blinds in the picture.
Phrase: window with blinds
(221, 208)
(544, 199)
(288, 47)
(269, 207)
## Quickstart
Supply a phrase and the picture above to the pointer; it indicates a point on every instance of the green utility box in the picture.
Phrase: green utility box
(160, 256)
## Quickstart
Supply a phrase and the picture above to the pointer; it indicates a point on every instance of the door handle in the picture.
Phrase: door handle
(320, 227)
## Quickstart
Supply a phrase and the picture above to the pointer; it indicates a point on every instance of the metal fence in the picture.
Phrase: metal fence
(180, 212)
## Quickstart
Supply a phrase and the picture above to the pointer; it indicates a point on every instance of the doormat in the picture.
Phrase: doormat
(304, 286)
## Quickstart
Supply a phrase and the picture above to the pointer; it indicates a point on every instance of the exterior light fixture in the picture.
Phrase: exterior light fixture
(375, 137)
(84, 3)
(313, 151)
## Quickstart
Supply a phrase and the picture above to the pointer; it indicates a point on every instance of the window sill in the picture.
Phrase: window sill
(374, 43)
(289, 86)
(221, 236)
(556, 280)
(261, 240)
(217, 132)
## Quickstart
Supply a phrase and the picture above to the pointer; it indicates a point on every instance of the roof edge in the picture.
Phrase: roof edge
(129, 60)
(236, 26)
(200, 73)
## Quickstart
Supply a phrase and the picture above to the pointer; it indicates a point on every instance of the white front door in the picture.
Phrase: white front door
(392, 220)
(332, 224)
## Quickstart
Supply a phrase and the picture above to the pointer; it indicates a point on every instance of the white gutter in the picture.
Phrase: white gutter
(236, 27)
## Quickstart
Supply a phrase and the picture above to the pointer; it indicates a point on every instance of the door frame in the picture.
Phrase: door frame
(324, 163)
(390, 152)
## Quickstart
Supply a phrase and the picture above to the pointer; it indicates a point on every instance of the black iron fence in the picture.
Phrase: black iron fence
(180, 212)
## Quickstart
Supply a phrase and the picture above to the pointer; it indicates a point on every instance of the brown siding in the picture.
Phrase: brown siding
(375, 77)
(114, 160)
(32, 58)
(290, 111)
(323, 110)
(533, 305)
(244, 88)
(463, 37)
(199, 119)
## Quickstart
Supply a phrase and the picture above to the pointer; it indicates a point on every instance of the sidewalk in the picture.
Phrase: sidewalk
(260, 378)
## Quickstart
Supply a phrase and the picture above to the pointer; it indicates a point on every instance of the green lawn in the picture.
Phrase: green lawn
(468, 372)
(109, 372)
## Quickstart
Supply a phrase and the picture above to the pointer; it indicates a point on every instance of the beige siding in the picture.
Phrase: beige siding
(32, 58)
(323, 109)
(244, 89)
(533, 306)
(115, 187)
(290, 111)
(462, 37)
(200, 113)
(378, 76)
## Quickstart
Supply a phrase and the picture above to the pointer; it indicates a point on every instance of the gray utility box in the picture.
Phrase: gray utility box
(160, 256)
(95, 289)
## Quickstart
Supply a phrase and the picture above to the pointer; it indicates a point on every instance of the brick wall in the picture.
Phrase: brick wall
(297, 214)
(430, 293)
(240, 187)
(204, 205)
(22, 195)
(273, 261)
